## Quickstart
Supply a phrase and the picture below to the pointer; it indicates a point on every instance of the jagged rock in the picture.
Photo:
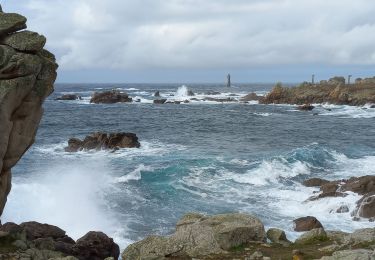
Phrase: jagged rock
(355, 254)
(306, 224)
(277, 236)
(25, 41)
(361, 185)
(251, 97)
(10, 23)
(69, 97)
(360, 236)
(110, 97)
(98, 141)
(312, 236)
(190, 93)
(199, 235)
(160, 101)
(306, 107)
(314, 182)
(157, 94)
(366, 206)
(96, 246)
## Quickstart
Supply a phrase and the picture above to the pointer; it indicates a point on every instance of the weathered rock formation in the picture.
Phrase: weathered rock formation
(334, 91)
(251, 97)
(306, 224)
(27, 75)
(103, 141)
(110, 97)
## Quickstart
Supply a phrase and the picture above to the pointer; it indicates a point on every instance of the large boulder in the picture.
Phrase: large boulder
(199, 235)
(26, 79)
(35, 230)
(306, 224)
(276, 235)
(99, 141)
(354, 254)
(95, 246)
(110, 97)
(313, 236)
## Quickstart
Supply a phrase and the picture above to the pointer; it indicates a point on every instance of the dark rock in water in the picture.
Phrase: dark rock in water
(372, 106)
(10, 23)
(219, 99)
(210, 92)
(96, 246)
(69, 97)
(160, 101)
(110, 97)
(98, 141)
(306, 224)
(314, 182)
(251, 97)
(190, 93)
(342, 209)
(366, 206)
(186, 101)
(35, 230)
(306, 107)
(157, 94)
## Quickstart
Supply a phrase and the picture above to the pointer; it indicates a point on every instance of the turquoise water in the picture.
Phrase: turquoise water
(203, 156)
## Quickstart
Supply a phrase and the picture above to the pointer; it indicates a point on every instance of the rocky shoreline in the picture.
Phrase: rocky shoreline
(334, 91)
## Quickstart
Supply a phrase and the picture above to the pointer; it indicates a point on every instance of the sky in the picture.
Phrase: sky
(173, 41)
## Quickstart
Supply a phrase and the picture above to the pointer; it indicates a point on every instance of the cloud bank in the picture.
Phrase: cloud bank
(209, 34)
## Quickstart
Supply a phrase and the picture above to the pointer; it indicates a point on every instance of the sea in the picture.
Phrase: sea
(203, 156)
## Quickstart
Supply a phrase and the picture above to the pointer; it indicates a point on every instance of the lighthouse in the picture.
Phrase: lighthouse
(229, 84)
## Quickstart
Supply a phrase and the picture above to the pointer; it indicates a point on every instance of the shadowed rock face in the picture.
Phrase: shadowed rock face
(27, 74)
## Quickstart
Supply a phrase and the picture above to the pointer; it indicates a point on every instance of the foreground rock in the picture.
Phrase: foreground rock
(103, 141)
(110, 97)
(306, 107)
(69, 97)
(27, 75)
(33, 240)
(198, 235)
(333, 91)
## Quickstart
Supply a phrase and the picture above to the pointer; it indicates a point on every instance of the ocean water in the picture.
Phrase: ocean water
(203, 156)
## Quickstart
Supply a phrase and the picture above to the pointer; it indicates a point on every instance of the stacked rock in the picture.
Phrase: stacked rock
(27, 75)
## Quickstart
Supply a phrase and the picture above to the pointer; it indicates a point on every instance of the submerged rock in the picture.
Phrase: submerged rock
(306, 107)
(110, 97)
(103, 141)
(69, 97)
(199, 235)
(306, 224)
(160, 101)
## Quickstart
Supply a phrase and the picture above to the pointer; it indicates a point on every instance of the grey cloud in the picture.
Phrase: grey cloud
(157, 34)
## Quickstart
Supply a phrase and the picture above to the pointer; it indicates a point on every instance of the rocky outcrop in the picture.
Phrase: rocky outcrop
(199, 235)
(27, 75)
(160, 101)
(33, 240)
(110, 97)
(334, 91)
(103, 141)
(69, 97)
(306, 107)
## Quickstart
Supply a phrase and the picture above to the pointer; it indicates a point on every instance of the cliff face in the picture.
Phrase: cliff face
(27, 74)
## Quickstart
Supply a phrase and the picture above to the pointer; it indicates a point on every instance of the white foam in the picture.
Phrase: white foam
(71, 196)
(344, 111)
(134, 175)
(182, 91)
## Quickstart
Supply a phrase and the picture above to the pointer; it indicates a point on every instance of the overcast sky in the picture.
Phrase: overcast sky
(202, 40)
